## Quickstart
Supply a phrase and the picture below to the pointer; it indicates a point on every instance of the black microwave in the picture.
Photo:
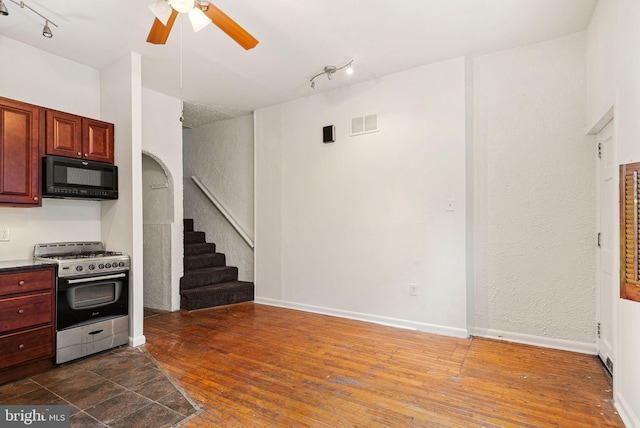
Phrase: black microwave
(78, 179)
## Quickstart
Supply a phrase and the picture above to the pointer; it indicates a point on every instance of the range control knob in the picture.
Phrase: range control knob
(121, 264)
(79, 268)
(92, 267)
(100, 266)
(108, 265)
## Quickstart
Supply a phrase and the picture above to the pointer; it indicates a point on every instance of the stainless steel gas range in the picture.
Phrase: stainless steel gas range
(92, 297)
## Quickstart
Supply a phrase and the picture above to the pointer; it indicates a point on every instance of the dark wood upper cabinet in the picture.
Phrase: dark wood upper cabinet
(97, 140)
(64, 134)
(79, 137)
(20, 138)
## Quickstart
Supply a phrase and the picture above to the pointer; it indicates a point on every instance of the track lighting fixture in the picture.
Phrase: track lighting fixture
(46, 31)
(329, 70)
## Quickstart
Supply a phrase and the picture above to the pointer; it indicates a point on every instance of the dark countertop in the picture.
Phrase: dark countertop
(27, 264)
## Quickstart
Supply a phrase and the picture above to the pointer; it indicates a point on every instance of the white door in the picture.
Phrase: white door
(606, 277)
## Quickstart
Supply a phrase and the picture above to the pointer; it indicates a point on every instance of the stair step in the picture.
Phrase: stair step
(201, 261)
(209, 296)
(201, 248)
(208, 276)
(194, 238)
(188, 224)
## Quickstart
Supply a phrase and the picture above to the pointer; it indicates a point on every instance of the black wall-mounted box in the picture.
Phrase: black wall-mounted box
(328, 134)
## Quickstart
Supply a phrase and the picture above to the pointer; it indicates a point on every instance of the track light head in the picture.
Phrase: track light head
(3, 9)
(46, 31)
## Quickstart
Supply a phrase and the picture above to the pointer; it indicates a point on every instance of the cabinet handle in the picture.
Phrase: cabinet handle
(86, 155)
(35, 198)
(21, 346)
(21, 283)
(79, 153)
(21, 311)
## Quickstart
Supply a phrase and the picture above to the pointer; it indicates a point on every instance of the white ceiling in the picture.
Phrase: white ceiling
(297, 39)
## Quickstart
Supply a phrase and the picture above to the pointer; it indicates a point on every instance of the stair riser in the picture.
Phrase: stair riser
(194, 238)
(193, 280)
(204, 261)
(206, 299)
(195, 249)
(188, 224)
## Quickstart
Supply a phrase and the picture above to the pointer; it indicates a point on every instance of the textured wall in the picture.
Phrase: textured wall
(534, 193)
(157, 192)
(220, 154)
(157, 266)
(157, 218)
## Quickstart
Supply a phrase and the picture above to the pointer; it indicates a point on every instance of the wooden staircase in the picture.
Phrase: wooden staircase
(207, 280)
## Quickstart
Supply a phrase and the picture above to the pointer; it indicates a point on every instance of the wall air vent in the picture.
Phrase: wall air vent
(364, 124)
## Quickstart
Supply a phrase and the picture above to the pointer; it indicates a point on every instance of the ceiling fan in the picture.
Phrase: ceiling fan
(201, 13)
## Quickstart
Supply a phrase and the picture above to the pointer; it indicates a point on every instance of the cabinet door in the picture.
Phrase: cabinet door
(25, 346)
(97, 140)
(19, 153)
(63, 134)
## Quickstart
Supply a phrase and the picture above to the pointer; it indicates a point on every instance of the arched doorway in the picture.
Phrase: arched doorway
(158, 218)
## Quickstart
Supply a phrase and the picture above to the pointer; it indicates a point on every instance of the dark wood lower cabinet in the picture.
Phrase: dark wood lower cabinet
(27, 336)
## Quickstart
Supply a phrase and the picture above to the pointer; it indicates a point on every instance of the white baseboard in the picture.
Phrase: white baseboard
(137, 341)
(391, 322)
(630, 419)
(545, 342)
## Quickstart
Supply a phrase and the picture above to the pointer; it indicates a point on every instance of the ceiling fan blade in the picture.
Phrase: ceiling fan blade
(229, 26)
(160, 33)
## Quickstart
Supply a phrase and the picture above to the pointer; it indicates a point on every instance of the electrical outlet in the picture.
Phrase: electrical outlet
(451, 204)
(5, 234)
(413, 289)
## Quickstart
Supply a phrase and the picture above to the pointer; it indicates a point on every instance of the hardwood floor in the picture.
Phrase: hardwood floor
(251, 365)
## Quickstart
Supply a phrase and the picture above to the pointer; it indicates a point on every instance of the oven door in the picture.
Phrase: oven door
(87, 299)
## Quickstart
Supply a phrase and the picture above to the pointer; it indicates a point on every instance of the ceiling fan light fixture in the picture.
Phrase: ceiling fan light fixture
(161, 10)
(198, 19)
(183, 6)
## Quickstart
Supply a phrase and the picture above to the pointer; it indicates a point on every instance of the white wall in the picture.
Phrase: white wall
(613, 85)
(600, 62)
(220, 154)
(121, 223)
(361, 219)
(534, 196)
(37, 77)
(162, 141)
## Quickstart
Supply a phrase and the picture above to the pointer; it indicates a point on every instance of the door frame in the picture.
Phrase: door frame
(613, 230)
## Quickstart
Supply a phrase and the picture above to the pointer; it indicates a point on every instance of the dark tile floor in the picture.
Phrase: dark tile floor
(123, 387)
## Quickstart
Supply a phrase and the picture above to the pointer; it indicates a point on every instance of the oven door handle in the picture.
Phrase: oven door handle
(94, 278)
